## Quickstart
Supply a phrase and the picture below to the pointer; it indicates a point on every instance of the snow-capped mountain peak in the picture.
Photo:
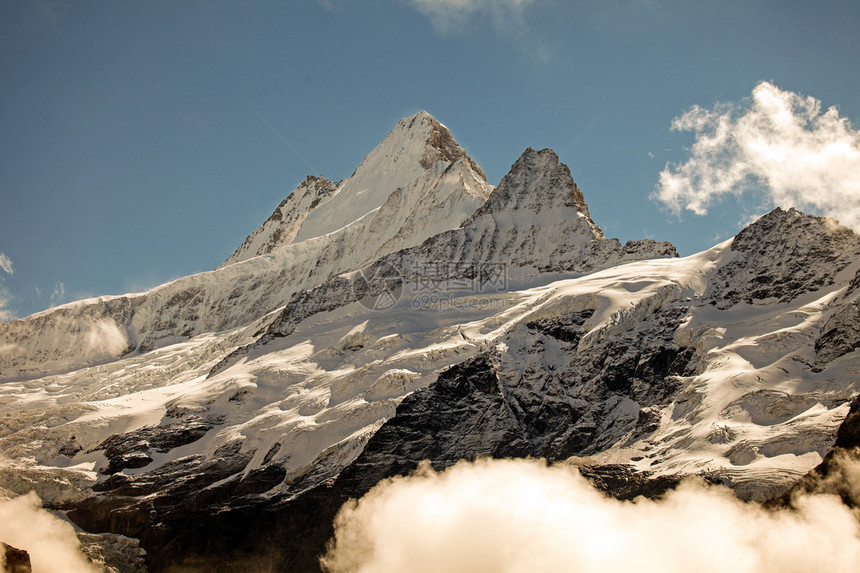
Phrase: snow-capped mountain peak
(418, 146)
(415, 184)
(540, 184)
(537, 181)
(782, 255)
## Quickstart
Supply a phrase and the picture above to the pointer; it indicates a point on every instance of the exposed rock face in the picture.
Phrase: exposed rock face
(537, 183)
(848, 436)
(646, 249)
(136, 503)
(113, 553)
(786, 254)
(840, 335)
(442, 145)
(504, 405)
(14, 560)
(462, 415)
(131, 449)
(783, 255)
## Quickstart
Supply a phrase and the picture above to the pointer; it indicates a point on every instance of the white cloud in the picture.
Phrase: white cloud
(50, 541)
(778, 143)
(6, 264)
(59, 294)
(511, 516)
(451, 15)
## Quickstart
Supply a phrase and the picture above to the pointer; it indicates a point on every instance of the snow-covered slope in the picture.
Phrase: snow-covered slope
(645, 365)
(415, 341)
(415, 184)
(535, 222)
(641, 364)
(417, 144)
(418, 149)
(437, 319)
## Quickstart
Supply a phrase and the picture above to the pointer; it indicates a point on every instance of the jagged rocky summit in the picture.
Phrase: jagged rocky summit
(415, 312)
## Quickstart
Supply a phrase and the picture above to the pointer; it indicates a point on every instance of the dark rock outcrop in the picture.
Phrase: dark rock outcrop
(131, 449)
(442, 145)
(624, 483)
(840, 335)
(463, 415)
(14, 560)
(783, 255)
(125, 504)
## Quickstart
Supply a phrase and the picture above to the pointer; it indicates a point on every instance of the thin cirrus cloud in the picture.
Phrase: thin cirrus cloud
(6, 314)
(777, 143)
(507, 516)
(59, 294)
(450, 15)
(6, 264)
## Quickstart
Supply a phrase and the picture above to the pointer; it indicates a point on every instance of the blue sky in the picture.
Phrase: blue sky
(135, 140)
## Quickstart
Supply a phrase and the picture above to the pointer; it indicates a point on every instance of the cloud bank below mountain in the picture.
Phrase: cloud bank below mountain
(521, 515)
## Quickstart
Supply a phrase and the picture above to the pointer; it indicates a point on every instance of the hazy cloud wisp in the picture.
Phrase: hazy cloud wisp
(5, 298)
(6, 264)
(50, 541)
(449, 15)
(59, 294)
(507, 516)
(778, 142)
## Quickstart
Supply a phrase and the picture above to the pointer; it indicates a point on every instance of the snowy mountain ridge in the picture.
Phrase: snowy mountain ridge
(414, 312)
(415, 184)
(283, 225)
